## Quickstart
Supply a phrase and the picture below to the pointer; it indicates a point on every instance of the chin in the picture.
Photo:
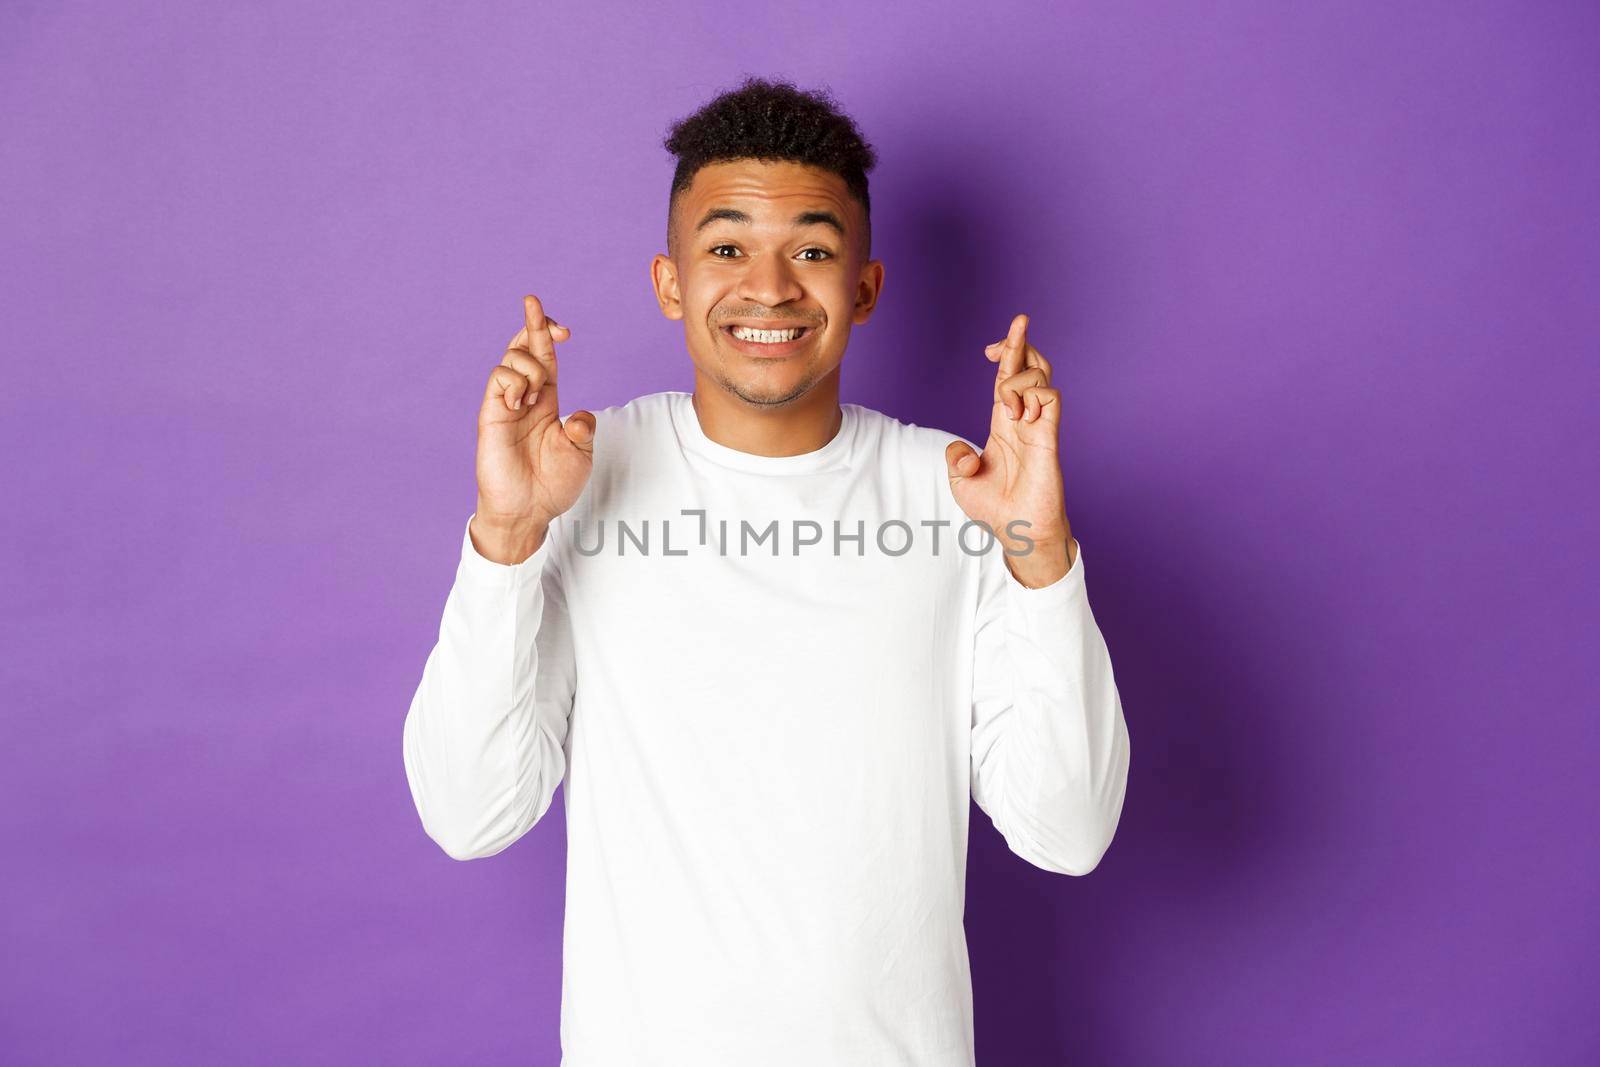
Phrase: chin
(768, 392)
(768, 397)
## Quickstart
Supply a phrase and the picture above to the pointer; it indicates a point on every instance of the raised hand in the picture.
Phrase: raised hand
(531, 466)
(1018, 474)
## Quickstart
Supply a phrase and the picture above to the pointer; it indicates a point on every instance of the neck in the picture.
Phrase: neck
(803, 425)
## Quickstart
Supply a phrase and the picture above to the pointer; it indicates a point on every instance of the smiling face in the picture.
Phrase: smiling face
(777, 247)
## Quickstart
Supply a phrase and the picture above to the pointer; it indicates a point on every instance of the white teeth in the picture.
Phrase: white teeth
(765, 337)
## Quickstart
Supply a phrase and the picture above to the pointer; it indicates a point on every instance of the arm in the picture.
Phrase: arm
(484, 737)
(1049, 743)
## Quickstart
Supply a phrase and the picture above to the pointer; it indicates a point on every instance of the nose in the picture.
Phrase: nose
(769, 281)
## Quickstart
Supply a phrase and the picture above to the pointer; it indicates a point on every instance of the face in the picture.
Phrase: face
(775, 246)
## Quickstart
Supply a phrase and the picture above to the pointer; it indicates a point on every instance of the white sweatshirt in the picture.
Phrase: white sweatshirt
(767, 745)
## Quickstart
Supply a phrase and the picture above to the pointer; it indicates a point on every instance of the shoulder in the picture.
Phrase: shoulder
(628, 437)
(640, 413)
(895, 437)
(913, 455)
(626, 430)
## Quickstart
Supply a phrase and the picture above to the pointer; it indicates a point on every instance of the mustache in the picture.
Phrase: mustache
(759, 316)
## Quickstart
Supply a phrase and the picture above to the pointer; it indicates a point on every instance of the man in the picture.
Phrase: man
(768, 644)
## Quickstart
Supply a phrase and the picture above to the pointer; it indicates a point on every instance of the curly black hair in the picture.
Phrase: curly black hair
(772, 120)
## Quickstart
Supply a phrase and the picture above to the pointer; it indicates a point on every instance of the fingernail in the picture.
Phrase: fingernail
(517, 403)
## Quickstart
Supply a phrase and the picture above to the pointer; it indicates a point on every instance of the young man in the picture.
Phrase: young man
(768, 643)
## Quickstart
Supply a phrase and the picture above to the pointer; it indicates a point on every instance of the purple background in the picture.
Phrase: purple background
(1320, 290)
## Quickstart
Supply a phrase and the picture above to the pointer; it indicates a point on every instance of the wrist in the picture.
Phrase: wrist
(1043, 563)
(505, 539)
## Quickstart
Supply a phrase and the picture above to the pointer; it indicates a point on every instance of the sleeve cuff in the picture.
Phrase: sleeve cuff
(1064, 589)
(475, 569)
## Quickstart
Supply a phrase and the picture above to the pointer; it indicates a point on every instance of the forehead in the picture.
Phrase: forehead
(770, 191)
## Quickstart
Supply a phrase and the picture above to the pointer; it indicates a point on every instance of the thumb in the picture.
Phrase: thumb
(960, 459)
(579, 427)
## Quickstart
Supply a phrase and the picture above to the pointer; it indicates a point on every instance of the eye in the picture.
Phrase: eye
(714, 248)
(825, 253)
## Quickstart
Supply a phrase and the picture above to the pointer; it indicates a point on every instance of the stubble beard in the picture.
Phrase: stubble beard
(768, 397)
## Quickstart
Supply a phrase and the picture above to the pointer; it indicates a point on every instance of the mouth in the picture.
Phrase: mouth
(768, 344)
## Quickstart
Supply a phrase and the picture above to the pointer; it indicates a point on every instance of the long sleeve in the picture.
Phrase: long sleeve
(1049, 743)
(484, 736)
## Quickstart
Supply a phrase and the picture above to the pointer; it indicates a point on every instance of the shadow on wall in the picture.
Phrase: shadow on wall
(1211, 809)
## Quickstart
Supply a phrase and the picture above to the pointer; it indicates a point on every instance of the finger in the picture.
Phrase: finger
(1044, 403)
(558, 333)
(1013, 347)
(539, 342)
(996, 350)
(506, 386)
(1009, 390)
(519, 343)
(1035, 358)
(533, 372)
(579, 428)
(961, 460)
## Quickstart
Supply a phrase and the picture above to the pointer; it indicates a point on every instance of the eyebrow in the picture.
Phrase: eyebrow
(805, 218)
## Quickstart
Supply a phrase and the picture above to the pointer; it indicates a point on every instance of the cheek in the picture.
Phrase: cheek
(699, 301)
(839, 297)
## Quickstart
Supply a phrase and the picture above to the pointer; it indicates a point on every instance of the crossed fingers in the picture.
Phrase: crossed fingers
(532, 351)
(1022, 380)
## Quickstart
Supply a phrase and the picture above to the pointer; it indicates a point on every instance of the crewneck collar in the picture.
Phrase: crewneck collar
(693, 437)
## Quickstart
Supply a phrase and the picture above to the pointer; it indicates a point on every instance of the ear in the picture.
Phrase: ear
(664, 277)
(868, 290)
